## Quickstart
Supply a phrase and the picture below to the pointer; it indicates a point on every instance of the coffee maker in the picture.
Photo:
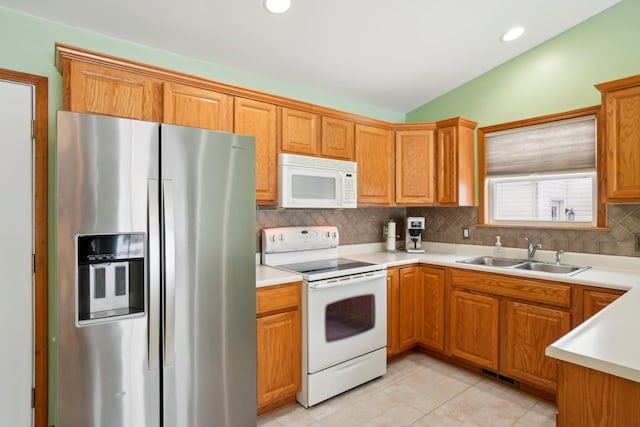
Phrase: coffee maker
(413, 239)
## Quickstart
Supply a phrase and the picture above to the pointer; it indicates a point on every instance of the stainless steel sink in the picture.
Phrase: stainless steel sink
(492, 261)
(523, 264)
(551, 268)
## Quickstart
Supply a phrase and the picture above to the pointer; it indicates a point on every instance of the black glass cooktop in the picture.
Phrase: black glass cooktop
(338, 265)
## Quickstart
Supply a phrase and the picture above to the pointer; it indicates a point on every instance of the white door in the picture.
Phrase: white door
(16, 248)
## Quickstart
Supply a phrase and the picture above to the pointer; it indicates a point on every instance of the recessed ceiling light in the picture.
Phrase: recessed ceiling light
(512, 34)
(277, 6)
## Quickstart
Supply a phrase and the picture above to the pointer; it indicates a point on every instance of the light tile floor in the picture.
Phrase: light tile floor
(421, 391)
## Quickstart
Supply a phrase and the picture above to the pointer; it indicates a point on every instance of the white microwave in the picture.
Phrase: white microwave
(314, 182)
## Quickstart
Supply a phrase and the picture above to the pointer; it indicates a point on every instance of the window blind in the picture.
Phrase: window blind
(560, 146)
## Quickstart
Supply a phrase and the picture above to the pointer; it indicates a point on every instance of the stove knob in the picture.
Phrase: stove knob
(335, 234)
(328, 234)
(281, 237)
(273, 238)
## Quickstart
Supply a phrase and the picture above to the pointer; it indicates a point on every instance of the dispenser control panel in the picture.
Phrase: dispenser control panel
(111, 279)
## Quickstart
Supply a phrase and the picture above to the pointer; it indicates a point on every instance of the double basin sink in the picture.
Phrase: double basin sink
(523, 264)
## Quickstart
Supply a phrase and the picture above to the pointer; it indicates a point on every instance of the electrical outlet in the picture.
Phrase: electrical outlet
(466, 235)
(637, 241)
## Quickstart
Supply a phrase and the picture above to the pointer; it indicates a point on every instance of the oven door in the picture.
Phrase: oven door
(346, 318)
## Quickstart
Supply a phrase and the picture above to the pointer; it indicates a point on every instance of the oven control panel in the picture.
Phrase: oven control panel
(289, 239)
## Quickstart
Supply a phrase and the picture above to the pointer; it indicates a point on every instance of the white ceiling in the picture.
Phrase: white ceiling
(395, 55)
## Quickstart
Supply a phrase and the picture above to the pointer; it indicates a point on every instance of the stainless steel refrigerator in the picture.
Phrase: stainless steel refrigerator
(155, 277)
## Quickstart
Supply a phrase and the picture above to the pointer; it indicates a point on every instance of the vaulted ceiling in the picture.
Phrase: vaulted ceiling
(393, 55)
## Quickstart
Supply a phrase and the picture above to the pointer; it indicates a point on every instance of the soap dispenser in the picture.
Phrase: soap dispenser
(498, 243)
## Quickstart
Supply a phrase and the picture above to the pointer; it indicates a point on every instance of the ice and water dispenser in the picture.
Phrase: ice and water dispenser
(110, 276)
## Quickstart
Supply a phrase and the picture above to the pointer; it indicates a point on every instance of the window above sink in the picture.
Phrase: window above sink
(541, 172)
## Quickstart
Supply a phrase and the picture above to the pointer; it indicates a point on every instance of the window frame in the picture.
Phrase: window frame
(483, 193)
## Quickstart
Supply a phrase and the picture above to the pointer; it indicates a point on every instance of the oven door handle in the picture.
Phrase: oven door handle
(349, 280)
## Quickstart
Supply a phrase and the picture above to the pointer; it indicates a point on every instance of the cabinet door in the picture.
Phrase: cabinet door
(100, 90)
(189, 106)
(594, 301)
(393, 312)
(409, 306)
(530, 329)
(447, 180)
(374, 155)
(338, 138)
(455, 181)
(299, 132)
(474, 328)
(622, 109)
(432, 301)
(278, 356)
(415, 167)
(259, 119)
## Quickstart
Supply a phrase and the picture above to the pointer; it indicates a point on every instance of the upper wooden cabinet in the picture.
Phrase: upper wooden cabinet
(455, 180)
(337, 139)
(95, 89)
(299, 132)
(259, 119)
(415, 167)
(374, 155)
(621, 104)
(434, 167)
(190, 106)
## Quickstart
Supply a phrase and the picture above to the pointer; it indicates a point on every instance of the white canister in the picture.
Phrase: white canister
(391, 236)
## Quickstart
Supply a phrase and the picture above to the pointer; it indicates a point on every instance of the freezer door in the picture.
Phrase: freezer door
(208, 205)
(103, 376)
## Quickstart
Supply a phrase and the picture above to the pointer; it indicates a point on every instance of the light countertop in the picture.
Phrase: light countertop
(606, 342)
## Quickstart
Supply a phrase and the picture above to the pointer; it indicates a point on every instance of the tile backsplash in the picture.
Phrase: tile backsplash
(361, 225)
(444, 224)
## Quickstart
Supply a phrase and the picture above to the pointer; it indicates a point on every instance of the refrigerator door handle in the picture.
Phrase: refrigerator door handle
(153, 212)
(169, 272)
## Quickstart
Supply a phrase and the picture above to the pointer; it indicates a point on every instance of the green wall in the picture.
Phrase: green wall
(553, 77)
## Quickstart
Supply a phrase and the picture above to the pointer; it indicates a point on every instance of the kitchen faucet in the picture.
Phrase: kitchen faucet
(531, 249)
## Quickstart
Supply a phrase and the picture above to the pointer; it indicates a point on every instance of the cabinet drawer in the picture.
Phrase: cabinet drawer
(514, 287)
(277, 298)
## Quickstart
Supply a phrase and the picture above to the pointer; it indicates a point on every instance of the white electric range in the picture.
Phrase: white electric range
(344, 310)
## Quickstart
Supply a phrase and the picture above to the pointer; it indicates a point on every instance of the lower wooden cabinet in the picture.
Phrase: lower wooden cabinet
(505, 323)
(409, 307)
(393, 307)
(432, 313)
(589, 398)
(530, 329)
(595, 300)
(278, 345)
(474, 328)
(415, 308)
